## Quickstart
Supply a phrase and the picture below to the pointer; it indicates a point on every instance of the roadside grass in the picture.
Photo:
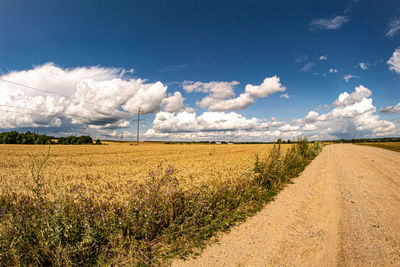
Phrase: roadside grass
(395, 146)
(160, 221)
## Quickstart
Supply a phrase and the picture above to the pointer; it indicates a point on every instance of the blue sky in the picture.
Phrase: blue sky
(295, 54)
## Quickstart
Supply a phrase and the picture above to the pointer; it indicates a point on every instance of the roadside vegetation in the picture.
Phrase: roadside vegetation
(161, 219)
(395, 146)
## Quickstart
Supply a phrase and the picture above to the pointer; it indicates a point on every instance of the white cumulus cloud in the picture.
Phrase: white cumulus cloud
(241, 102)
(394, 61)
(348, 77)
(391, 109)
(363, 65)
(285, 96)
(352, 116)
(311, 116)
(219, 92)
(86, 97)
(269, 86)
(208, 121)
(357, 96)
(173, 103)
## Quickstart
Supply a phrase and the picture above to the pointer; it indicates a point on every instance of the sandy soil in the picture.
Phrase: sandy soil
(344, 210)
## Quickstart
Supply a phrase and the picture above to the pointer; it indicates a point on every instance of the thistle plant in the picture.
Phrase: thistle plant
(36, 168)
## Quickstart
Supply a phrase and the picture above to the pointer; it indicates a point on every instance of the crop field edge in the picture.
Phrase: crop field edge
(162, 221)
(394, 146)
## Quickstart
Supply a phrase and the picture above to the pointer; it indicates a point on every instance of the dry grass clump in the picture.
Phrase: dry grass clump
(395, 146)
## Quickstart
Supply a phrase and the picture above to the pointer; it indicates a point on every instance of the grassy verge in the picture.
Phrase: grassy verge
(160, 221)
(395, 146)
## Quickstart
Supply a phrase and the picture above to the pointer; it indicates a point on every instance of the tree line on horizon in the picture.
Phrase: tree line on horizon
(34, 138)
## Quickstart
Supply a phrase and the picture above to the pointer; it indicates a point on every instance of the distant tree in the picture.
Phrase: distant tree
(10, 137)
(75, 140)
(24, 138)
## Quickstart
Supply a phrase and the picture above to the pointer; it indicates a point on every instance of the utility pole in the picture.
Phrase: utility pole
(138, 120)
(138, 126)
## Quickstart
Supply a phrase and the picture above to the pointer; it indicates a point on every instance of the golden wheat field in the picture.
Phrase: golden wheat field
(107, 171)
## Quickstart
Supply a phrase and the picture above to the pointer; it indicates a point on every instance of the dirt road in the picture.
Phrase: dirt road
(344, 210)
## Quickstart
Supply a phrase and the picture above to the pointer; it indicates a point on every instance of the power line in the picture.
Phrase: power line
(27, 113)
(49, 114)
(56, 114)
(52, 114)
(53, 77)
(56, 94)
(47, 91)
(53, 93)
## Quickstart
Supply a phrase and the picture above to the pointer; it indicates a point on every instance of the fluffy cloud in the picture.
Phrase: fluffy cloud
(311, 116)
(323, 58)
(285, 96)
(209, 121)
(86, 97)
(363, 65)
(220, 91)
(288, 128)
(267, 87)
(309, 127)
(391, 109)
(393, 28)
(357, 96)
(394, 61)
(97, 101)
(173, 103)
(348, 77)
(216, 126)
(241, 102)
(328, 23)
(351, 116)
(333, 70)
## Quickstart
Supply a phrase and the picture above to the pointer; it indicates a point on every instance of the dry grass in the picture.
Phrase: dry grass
(395, 146)
(157, 218)
(107, 171)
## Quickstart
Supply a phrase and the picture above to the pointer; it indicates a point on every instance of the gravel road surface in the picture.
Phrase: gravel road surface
(343, 210)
